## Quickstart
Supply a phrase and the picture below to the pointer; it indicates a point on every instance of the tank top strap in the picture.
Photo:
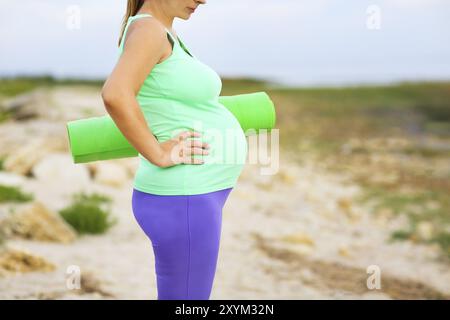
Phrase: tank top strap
(176, 40)
(130, 20)
(171, 35)
(140, 15)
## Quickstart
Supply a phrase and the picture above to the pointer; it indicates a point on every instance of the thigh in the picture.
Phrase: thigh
(185, 234)
(162, 218)
(205, 218)
(204, 225)
(166, 219)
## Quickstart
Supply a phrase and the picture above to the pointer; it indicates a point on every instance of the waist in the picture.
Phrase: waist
(185, 179)
(221, 167)
(211, 119)
(228, 146)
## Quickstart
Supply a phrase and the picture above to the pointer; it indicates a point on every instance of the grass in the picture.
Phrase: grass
(13, 194)
(2, 238)
(323, 122)
(12, 86)
(233, 86)
(4, 116)
(87, 213)
(421, 206)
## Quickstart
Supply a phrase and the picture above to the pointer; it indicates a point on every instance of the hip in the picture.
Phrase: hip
(167, 219)
(185, 179)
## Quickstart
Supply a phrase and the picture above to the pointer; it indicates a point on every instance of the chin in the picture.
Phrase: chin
(184, 15)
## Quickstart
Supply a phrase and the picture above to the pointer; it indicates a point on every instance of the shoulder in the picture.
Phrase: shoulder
(146, 31)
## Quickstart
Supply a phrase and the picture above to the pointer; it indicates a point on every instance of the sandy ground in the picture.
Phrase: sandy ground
(297, 234)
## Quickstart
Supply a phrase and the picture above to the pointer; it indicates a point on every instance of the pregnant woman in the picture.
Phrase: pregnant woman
(191, 147)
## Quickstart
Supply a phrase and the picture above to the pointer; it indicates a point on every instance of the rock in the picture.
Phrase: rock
(266, 186)
(11, 179)
(27, 105)
(74, 103)
(303, 250)
(111, 174)
(347, 207)
(18, 260)
(14, 136)
(241, 193)
(374, 295)
(286, 177)
(344, 203)
(130, 165)
(59, 168)
(25, 157)
(36, 222)
(384, 217)
(22, 160)
(307, 275)
(299, 238)
(90, 284)
(344, 252)
(425, 230)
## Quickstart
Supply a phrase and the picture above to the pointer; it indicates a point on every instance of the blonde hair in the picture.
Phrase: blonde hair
(133, 7)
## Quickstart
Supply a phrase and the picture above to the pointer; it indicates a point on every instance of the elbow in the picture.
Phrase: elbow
(115, 96)
(110, 98)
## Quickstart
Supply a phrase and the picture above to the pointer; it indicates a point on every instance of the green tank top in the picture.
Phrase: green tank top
(181, 93)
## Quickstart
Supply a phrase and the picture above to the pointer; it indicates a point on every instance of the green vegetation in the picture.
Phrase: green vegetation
(393, 140)
(331, 116)
(13, 194)
(88, 215)
(13, 86)
(4, 115)
(233, 86)
(2, 237)
(16, 85)
(425, 206)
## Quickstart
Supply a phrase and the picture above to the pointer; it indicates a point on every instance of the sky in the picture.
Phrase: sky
(291, 42)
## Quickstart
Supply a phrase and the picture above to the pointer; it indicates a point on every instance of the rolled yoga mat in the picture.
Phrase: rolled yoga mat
(99, 138)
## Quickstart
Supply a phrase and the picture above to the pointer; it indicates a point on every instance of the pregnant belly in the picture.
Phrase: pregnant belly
(228, 144)
(221, 169)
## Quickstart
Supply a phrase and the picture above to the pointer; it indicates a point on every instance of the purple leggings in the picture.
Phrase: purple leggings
(184, 231)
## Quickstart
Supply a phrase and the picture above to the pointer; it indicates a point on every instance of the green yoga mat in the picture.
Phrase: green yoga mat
(99, 138)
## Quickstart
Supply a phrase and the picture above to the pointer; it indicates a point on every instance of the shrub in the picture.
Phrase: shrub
(87, 213)
(13, 194)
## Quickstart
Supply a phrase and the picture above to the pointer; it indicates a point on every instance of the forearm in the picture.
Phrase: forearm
(130, 120)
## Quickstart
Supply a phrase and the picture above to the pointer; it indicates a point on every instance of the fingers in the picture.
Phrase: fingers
(183, 136)
(189, 153)
(191, 160)
(187, 134)
(194, 151)
(189, 148)
(197, 143)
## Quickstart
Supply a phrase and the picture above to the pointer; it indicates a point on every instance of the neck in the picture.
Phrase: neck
(157, 10)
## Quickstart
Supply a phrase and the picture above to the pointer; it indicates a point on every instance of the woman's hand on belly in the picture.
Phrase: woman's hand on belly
(180, 150)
